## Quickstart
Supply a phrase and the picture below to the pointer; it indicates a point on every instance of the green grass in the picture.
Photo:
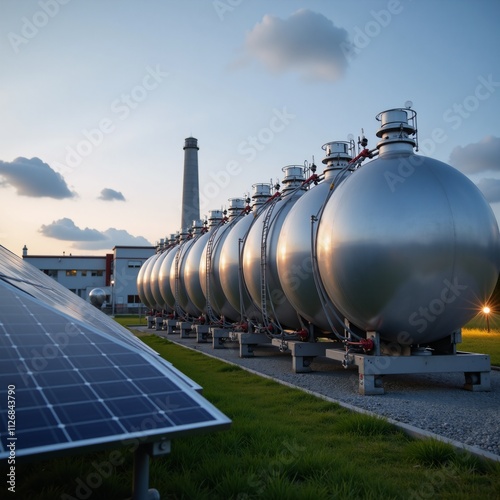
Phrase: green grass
(131, 319)
(283, 443)
(477, 340)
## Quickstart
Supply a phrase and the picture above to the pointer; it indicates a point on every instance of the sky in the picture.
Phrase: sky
(98, 96)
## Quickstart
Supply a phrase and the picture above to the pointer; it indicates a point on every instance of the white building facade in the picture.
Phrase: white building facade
(115, 273)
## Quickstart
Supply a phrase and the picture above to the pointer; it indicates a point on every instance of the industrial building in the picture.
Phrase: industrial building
(115, 273)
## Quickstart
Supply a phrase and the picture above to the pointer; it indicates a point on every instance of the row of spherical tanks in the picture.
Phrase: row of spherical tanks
(402, 244)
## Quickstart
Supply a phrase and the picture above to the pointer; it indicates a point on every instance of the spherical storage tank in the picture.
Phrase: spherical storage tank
(191, 269)
(407, 246)
(230, 275)
(277, 305)
(177, 281)
(154, 282)
(211, 282)
(295, 244)
(144, 279)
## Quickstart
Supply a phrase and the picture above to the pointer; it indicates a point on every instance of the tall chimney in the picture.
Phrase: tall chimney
(190, 188)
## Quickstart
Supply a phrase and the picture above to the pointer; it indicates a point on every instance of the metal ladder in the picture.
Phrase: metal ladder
(264, 292)
(177, 307)
(212, 317)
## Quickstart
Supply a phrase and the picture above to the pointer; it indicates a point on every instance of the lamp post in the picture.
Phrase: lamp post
(486, 311)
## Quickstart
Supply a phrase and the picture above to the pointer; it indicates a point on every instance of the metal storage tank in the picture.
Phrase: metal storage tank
(166, 292)
(177, 282)
(407, 246)
(295, 243)
(144, 279)
(155, 272)
(140, 283)
(211, 284)
(259, 254)
(191, 270)
(230, 272)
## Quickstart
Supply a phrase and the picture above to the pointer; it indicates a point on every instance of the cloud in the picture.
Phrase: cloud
(91, 239)
(108, 194)
(306, 42)
(490, 189)
(477, 157)
(65, 229)
(34, 178)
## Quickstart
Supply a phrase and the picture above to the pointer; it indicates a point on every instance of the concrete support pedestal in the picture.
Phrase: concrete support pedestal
(248, 341)
(371, 368)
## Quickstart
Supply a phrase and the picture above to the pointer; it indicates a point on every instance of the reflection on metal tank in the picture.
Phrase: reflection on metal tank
(210, 258)
(262, 241)
(191, 271)
(166, 291)
(155, 272)
(295, 264)
(230, 274)
(140, 283)
(146, 277)
(177, 282)
(407, 246)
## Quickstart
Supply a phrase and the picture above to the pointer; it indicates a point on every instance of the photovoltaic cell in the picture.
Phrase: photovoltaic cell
(77, 387)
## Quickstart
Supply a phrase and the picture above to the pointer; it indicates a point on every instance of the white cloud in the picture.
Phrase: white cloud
(32, 177)
(307, 42)
(477, 157)
(90, 239)
(490, 189)
(108, 194)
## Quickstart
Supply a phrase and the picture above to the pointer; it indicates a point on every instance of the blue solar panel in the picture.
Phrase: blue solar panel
(79, 387)
(30, 279)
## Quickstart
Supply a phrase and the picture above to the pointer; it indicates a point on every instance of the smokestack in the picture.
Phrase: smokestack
(190, 188)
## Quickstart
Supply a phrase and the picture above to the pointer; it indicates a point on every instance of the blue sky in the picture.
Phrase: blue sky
(97, 98)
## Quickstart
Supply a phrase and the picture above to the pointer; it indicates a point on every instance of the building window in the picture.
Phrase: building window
(71, 272)
(134, 264)
(133, 299)
(50, 272)
(84, 273)
(96, 273)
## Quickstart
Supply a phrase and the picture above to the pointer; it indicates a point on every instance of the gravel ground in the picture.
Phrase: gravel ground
(435, 403)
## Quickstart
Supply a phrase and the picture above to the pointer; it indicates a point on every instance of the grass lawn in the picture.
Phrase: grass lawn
(283, 444)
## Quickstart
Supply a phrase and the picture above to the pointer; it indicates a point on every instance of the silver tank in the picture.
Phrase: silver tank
(140, 283)
(294, 260)
(155, 272)
(191, 269)
(144, 279)
(407, 246)
(177, 280)
(278, 307)
(211, 284)
(230, 272)
(166, 292)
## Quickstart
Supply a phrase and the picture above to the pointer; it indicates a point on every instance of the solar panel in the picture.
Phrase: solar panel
(77, 387)
(30, 279)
